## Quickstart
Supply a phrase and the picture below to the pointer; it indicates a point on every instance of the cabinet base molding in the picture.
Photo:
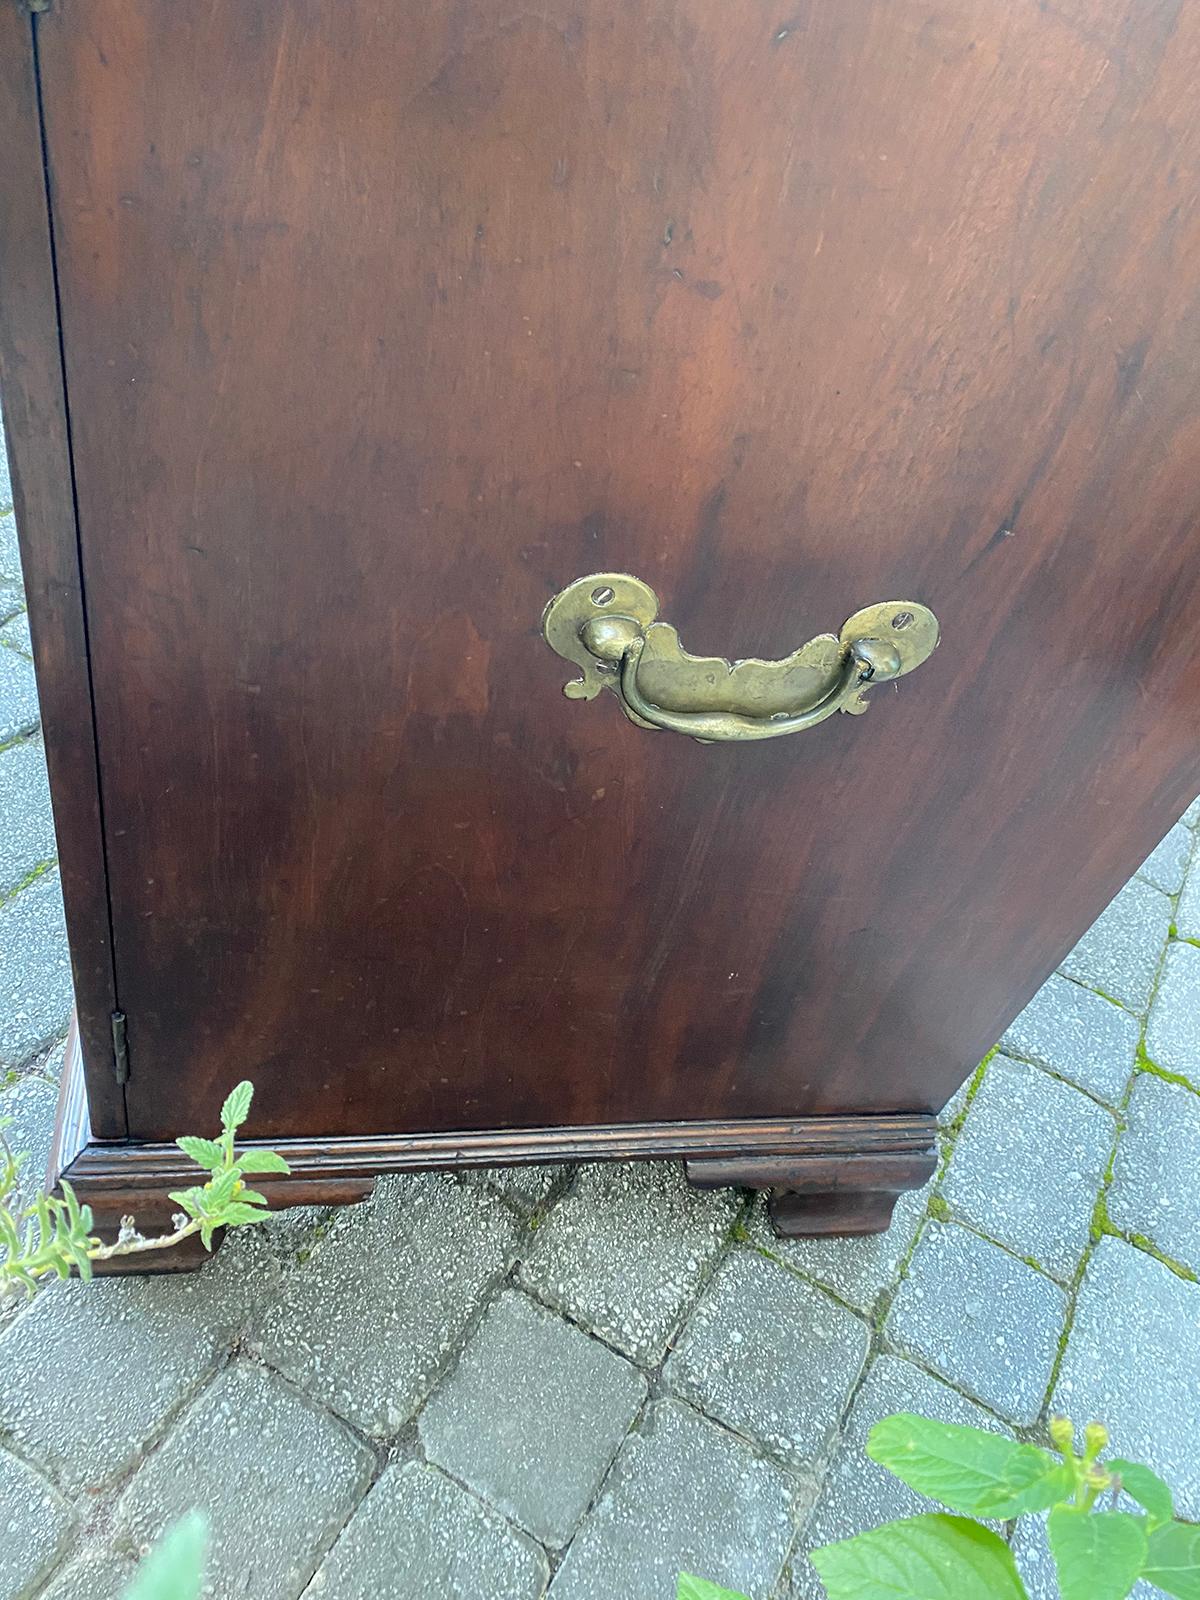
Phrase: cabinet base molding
(853, 1191)
(827, 1175)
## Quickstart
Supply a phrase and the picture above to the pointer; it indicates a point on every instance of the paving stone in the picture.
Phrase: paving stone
(5, 477)
(1158, 1163)
(1131, 1362)
(387, 1296)
(1029, 1163)
(35, 1526)
(1187, 908)
(10, 555)
(12, 599)
(858, 1493)
(32, 1104)
(417, 1536)
(683, 1496)
(769, 1356)
(1192, 815)
(1079, 1035)
(1031, 1552)
(524, 1187)
(626, 1251)
(35, 971)
(1173, 1031)
(857, 1270)
(951, 1111)
(27, 834)
(18, 695)
(1119, 954)
(1166, 864)
(277, 1475)
(92, 1370)
(16, 635)
(981, 1318)
(99, 1576)
(532, 1416)
(50, 1064)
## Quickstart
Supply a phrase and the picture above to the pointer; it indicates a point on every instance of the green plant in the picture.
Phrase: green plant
(691, 1588)
(53, 1237)
(174, 1569)
(1099, 1550)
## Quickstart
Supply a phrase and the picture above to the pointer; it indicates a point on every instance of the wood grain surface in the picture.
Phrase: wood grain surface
(384, 322)
(39, 451)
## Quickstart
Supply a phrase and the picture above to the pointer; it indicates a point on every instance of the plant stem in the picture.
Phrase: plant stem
(129, 1247)
(106, 1252)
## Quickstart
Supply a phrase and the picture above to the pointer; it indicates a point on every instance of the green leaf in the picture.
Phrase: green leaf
(922, 1558)
(1028, 1485)
(1173, 1561)
(218, 1191)
(237, 1106)
(174, 1569)
(41, 1209)
(235, 1215)
(204, 1152)
(190, 1200)
(693, 1588)
(1146, 1487)
(977, 1473)
(262, 1161)
(1099, 1554)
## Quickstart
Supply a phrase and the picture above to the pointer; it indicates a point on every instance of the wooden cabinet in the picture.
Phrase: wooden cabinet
(340, 338)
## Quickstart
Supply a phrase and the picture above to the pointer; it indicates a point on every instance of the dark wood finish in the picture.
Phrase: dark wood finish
(837, 1213)
(377, 335)
(35, 425)
(733, 1146)
(113, 1201)
(836, 1192)
(868, 1160)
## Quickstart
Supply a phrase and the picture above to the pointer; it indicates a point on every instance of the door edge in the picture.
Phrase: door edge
(36, 416)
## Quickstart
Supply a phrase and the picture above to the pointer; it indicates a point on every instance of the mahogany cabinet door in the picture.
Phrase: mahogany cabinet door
(383, 322)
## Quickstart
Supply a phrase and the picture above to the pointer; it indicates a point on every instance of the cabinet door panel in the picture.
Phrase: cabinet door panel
(385, 322)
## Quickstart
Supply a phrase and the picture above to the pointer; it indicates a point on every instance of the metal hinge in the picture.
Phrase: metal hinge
(120, 1047)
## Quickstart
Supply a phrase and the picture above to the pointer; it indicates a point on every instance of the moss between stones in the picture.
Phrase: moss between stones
(1112, 999)
(17, 738)
(952, 1129)
(1102, 1225)
(31, 877)
(1143, 1063)
(1148, 1246)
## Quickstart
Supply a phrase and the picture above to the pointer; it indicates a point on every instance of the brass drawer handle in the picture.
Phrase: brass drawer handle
(606, 624)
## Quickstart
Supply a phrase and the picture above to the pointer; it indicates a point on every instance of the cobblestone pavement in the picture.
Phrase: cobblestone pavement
(481, 1388)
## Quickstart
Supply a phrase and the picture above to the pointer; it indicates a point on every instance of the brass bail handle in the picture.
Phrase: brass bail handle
(606, 624)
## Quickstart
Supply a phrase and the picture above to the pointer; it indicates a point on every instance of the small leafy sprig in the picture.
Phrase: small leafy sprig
(174, 1569)
(224, 1200)
(52, 1237)
(48, 1238)
(1100, 1551)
